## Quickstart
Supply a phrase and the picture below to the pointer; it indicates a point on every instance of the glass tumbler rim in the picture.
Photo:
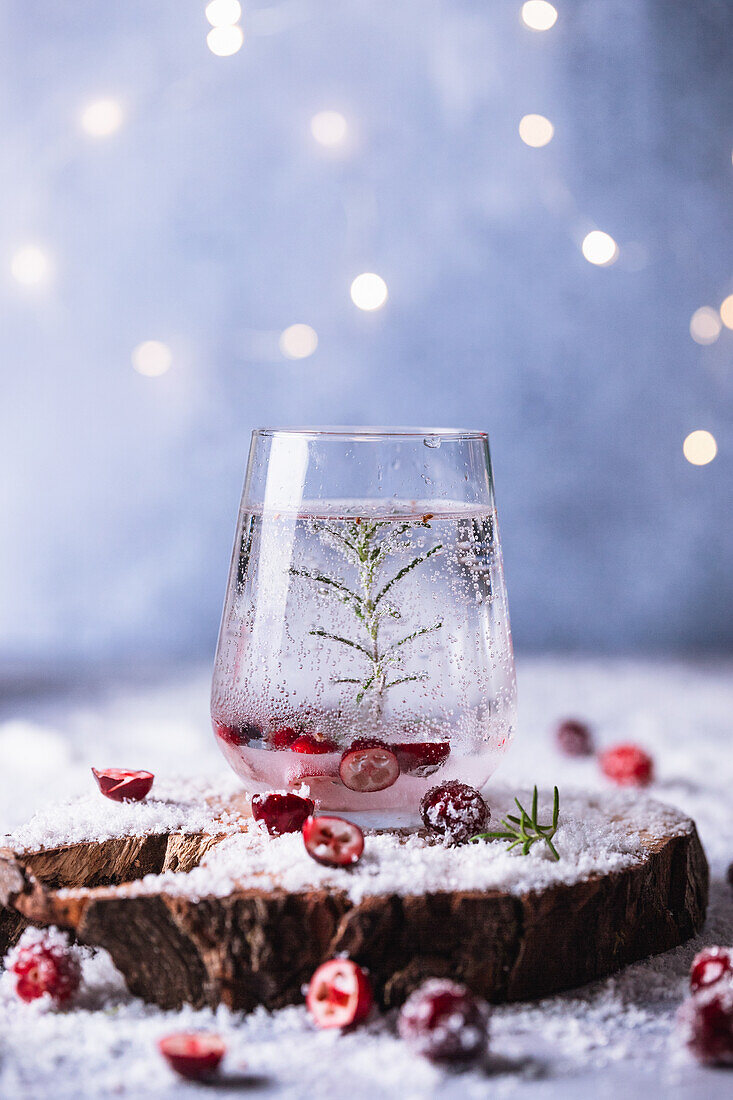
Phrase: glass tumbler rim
(373, 432)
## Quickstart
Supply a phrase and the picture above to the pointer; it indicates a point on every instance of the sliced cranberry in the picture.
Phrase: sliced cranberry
(456, 810)
(368, 765)
(333, 841)
(282, 738)
(339, 994)
(239, 734)
(627, 765)
(706, 1023)
(421, 757)
(194, 1055)
(281, 811)
(709, 966)
(120, 784)
(444, 1022)
(310, 743)
(44, 967)
(574, 738)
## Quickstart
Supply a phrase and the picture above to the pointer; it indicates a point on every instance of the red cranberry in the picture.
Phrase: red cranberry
(282, 738)
(627, 765)
(574, 738)
(309, 743)
(281, 811)
(706, 1023)
(444, 1022)
(120, 784)
(421, 757)
(709, 966)
(45, 967)
(368, 766)
(455, 810)
(333, 841)
(194, 1055)
(339, 994)
(238, 734)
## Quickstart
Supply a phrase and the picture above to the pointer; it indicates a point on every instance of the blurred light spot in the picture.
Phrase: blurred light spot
(102, 118)
(539, 15)
(700, 448)
(223, 13)
(152, 358)
(369, 291)
(599, 248)
(536, 130)
(225, 41)
(705, 325)
(328, 127)
(30, 265)
(298, 341)
(726, 311)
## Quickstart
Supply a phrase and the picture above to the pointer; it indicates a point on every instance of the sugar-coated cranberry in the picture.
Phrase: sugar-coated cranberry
(445, 1022)
(574, 738)
(46, 967)
(333, 841)
(421, 757)
(627, 765)
(310, 743)
(368, 765)
(456, 810)
(121, 784)
(237, 733)
(339, 994)
(706, 1023)
(194, 1055)
(710, 966)
(282, 738)
(281, 811)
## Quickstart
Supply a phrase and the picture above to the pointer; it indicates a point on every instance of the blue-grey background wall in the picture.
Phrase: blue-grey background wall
(211, 220)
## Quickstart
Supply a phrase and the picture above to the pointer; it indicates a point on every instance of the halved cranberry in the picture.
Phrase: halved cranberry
(421, 757)
(706, 1023)
(456, 810)
(627, 765)
(238, 734)
(120, 784)
(339, 994)
(368, 765)
(45, 967)
(709, 966)
(444, 1022)
(309, 743)
(281, 811)
(333, 841)
(282, 738)
(194, 1055)
(574, 738)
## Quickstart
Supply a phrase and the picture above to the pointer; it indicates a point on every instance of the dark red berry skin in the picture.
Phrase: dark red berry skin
(710, 966)
(706, 1020)
(46, 968)
(574, 738)
(308, 743)
(240, 734)
(627, 765)
(367, 743)
(455, 810)
(281, 812)
(445, 1023)
(421, 757)
(122, 784)
(282, 738)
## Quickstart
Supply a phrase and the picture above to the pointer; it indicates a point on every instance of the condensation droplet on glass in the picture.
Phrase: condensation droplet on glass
(432, 441)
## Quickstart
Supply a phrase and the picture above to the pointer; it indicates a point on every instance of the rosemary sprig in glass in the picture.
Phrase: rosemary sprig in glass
(526, 830)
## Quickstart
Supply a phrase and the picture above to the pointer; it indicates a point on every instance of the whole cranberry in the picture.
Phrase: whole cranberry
(706, 1023)
(711, 965)
(45, 967)
(574, 738)
(456, 810)
(445, 1022)
(627, 765)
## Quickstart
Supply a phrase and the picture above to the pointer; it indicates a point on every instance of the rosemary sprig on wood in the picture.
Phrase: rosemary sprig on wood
(526, 829)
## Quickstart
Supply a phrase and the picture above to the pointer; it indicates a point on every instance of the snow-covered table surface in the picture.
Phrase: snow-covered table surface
(614, 1037)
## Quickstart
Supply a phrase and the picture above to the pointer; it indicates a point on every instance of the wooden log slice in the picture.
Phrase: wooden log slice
(231, 915)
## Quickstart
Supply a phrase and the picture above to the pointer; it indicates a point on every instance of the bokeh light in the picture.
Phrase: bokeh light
(223, 13)
(298, 341)
(225, 41)
(599, 248)
(726, 311)
(538, 15)
(700, 447)
(30, 265)
(368, 291)
(102, 117)
(705, 325)
(152, 358)
(329, 127)
(536, 130)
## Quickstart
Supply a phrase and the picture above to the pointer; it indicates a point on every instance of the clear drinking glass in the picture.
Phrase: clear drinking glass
(366, 599)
